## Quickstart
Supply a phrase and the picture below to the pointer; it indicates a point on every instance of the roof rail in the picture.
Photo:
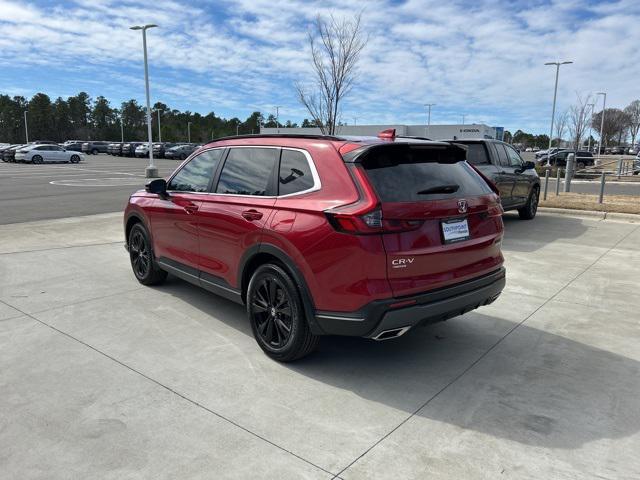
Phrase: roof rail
(279, 135)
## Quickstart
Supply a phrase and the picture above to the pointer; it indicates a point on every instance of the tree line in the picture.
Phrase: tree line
(80, 117)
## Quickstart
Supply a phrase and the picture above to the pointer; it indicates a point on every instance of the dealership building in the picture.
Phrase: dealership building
(435, 132)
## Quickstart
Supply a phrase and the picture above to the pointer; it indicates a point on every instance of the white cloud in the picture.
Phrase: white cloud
(482, 58)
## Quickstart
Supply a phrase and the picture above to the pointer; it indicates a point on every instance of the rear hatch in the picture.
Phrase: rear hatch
(441, 221)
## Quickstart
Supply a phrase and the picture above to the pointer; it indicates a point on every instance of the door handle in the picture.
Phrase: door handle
(252, 215)
(190, 208)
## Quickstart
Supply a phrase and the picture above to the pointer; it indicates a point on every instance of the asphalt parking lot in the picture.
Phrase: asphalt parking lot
(101, 183)
(103, 378)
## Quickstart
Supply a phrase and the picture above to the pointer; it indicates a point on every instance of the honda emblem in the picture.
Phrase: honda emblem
(462, 206)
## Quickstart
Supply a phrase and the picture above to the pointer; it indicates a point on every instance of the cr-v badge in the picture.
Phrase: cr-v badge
(402, 262)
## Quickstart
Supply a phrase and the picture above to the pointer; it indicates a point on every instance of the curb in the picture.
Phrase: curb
(628, 217)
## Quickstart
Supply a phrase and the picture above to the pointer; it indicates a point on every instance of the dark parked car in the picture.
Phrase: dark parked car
(95, 147)
(517, 180)
(9, 153)
(115, 148)
(75, 146)
(583, 158)
(160, 148)
(180, 152)
(321, 235)
(129, 149)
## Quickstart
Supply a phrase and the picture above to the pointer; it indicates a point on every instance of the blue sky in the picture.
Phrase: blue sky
(482, 58)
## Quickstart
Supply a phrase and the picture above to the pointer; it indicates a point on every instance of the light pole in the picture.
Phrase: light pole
(151, 171)
(159, 126)
(237, 128)
(355, 121)
(121, 128)
(464, 115)
(428, 105)
(592, 105)
(26, 128)
(553, 111)
(188, 132)
(604, 105)
(277, 107)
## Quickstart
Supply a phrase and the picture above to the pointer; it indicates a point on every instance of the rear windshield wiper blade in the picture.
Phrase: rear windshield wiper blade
(452, 188)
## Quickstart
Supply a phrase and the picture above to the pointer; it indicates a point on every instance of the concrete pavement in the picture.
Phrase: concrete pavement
(104, 378)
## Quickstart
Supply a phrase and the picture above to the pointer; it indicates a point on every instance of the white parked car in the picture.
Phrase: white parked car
(142, 150)
(47, 153)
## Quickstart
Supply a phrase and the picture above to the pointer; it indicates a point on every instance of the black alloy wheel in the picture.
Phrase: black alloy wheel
(75, 158)
(276, 312)
(141, 256)
(271, 309)
(528, 212)
(36, 159)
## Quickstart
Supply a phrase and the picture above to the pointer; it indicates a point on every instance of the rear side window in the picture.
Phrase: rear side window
(196, 175)
(295, 174)
(248, 171)
(477, 154)
(418, 173)
(514, 158)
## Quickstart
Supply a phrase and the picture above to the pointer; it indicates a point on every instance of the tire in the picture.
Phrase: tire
(283, 336)
(74, 159)
(94, 151)
(528, 212)
(143, 263)
(36, 159)
(581, 165)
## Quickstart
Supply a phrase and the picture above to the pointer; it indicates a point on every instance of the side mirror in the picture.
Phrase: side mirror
(158, 186)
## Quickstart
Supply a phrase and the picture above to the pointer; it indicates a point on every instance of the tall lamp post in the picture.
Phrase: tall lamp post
(158, 111)
(151, 171)
(277, 107)
(604, 106)
(188, 132)
(592, 105)
(26, 128)
(121, 128)
(464, 115)
(553, 110)
(428, 105)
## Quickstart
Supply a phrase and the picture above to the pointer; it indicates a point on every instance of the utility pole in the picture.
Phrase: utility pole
(277, 107)
(26, 128)
(604, 106)
(429, 105)
(188, 132)
(121, 129)
(464, 115)
(159, 127)
(592, 105)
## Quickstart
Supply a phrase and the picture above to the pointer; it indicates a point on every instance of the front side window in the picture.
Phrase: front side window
(295, 173)
(196, 175)
(514, 158)
(247, 171)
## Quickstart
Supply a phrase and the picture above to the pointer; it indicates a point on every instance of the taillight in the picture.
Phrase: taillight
(365, 216)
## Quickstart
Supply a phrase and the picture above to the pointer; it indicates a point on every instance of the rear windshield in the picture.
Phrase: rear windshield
(408, 173)
(477, 154)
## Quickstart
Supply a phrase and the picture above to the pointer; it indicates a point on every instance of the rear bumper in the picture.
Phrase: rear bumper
(429, 307)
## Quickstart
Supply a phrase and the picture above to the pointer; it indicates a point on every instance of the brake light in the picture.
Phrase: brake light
(365, 216)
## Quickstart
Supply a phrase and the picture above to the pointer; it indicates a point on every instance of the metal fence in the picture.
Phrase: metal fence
(602, 171)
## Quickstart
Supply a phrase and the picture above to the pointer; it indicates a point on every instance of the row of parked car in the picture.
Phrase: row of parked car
(178, 151)
(38, 152)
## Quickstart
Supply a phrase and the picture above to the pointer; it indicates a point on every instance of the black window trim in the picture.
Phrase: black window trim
(214, 177)
(272, 186)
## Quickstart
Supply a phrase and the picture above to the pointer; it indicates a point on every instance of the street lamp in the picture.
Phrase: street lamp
(604, 105)
(151, 171)
(121, 128)
(26, 128)
(277, 107)
(553, 111)
(189, 132)
(592, 105)
(428, 105)
(464, 115)
(159, 126)
(355, 121)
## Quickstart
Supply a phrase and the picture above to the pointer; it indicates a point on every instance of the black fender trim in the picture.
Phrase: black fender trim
(292, 269)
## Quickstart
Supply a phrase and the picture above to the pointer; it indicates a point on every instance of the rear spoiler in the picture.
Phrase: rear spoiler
(459, 153)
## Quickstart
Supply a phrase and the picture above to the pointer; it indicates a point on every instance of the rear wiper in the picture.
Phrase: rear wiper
(452, 188)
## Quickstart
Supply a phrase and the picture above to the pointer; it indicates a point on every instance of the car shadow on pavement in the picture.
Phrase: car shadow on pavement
(532, 235)
(535, 387)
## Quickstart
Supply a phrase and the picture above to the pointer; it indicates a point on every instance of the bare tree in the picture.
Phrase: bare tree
(578, 120)
(561, 125)
(616, 123)
(633, 110)
(335, 50)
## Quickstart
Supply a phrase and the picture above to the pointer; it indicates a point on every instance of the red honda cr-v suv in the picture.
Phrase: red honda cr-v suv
(322, 235)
